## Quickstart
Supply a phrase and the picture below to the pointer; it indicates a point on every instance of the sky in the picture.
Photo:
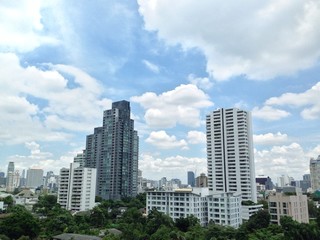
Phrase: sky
(64, 62)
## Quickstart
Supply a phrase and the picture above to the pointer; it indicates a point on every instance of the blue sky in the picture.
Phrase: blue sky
(64, 62)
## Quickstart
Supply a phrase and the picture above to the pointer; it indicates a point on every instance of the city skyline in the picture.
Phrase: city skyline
(64, 63)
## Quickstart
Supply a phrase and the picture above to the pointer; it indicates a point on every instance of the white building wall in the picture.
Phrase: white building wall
(230, 153)
(77, 188)
(183, 203)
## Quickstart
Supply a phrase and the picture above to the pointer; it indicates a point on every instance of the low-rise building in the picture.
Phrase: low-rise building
(220, 208)
(26, 198)
(288, 202)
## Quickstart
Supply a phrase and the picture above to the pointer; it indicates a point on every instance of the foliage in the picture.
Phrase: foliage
(58, 221)
(19, 223)
(219, 232)
(247, 203)
(135, 226)
(264, 203)
(156, 220)
(294, 230)
(8, 200)
(45, 204)
(183, 224)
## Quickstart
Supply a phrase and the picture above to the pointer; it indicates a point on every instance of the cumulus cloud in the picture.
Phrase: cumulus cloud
(203, 83)
(38, 104)
(170, 167)
(179, 106)
(196, 137)
(21, 27)
(270, 138)
(162, 140)
(269, 113)
(291, 160)
(253, 38)
(41, 160)
(309, 101)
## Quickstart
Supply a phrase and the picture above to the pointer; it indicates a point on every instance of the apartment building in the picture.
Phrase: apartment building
(288, 201)
(77, 188)
(230, 153)
(222, 208)
(315, 173)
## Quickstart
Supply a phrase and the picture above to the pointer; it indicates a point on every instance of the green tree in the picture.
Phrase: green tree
(45, 204)
(58, 221)
(260, 219)
(8, 200)
(97, 217)
(183, 224)
(157, 219)
(219, 232)
(20, 222)
(196, 232)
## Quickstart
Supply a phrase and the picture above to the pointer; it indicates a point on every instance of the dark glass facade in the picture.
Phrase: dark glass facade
(113, 149)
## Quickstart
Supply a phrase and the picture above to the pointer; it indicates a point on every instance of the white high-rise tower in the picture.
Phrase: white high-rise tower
(230, 153)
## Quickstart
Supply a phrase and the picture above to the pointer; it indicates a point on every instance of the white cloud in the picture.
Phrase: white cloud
(170, 167)
(162, 140)
(308, 100)
(203, 83)
(196, 137)
(291, 160)
(41, 160)
(181, 105)
(21, 27)
(270, 138)
(37, 104)
(151, 66)
(269, 113)
(253, 38)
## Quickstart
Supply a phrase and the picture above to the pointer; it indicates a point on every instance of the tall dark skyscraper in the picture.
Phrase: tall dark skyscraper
(113, 149)
(191, 178)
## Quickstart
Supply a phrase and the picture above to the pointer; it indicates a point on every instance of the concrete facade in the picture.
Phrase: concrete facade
(290, 203)
(230, 153)
(222, 208)
(77, 188)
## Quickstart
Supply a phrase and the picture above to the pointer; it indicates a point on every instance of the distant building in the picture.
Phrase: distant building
(202, 180)
(113, 150)
(288, 201)
(26, 198)
(283, 181)
(51, 182)
(16, 179)
(315, 173)
(23, 179)
(77, 188)
(34, 178)
(191, 178)
(264, 181)
(2, 179)
(10, 177)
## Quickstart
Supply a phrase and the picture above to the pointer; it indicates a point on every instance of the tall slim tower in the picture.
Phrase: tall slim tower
(113, 150)
(314, 173)
(10, 177)
(230, 153)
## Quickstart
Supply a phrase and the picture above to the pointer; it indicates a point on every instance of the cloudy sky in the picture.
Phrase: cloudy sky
(64, 62)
